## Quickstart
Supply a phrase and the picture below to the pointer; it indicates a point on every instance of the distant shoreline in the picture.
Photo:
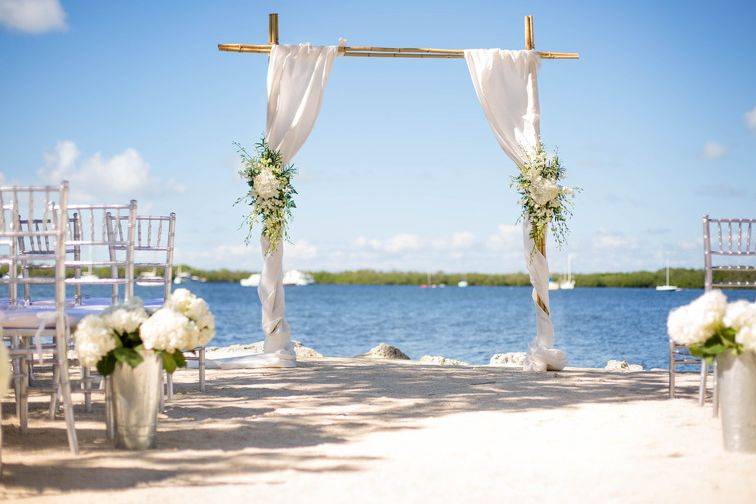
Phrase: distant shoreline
(683, 278)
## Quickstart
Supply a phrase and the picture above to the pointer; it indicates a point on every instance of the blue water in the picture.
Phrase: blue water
(591, 325)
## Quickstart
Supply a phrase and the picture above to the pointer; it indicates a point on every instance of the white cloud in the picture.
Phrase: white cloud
(300, 250)
(714, 150)
(125, 174)
(463, 240)
(507, 237)
(750, 119)
(606, 240)
(32, 16)
(396, 244)
(402, 243)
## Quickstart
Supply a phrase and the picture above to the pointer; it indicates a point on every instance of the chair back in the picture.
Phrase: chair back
(93, 243)
(728, 249)
(153, 249)
(44, 229)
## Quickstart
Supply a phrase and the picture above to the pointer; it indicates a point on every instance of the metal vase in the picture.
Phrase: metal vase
(136, 402)
(736, 379)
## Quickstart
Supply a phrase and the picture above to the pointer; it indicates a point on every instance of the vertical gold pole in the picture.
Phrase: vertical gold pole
(273, 28)
(529, 38)
(530, 45)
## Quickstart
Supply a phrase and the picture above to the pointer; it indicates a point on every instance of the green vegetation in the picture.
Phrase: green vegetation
(681, 277)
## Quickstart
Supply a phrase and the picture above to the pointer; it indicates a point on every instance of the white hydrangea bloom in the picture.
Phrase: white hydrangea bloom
(169, 330)
(740, 314)
(93, 339)
(543, 190)
(5, 370)
(696, 322)
(125, 320)
(197, 310)
(266, 184)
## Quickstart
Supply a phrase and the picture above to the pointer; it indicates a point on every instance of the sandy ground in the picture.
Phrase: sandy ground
(349, 430)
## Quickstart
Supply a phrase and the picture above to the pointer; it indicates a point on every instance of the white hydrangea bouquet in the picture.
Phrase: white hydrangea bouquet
(544, 201)
(271, 194)
(126, 333)
(710, 326)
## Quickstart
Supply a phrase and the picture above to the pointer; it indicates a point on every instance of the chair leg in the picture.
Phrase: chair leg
(55, 396)
(109, 413)
(715, 396)
(201, 369)
(169, 386)
(65, 388)
(702, 384)
(671, 370)
(86, 383)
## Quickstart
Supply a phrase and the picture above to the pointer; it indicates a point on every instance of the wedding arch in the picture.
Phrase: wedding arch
(506, 85)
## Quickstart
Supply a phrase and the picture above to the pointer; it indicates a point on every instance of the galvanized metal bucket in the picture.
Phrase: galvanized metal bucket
(736, 379)
(136, 401)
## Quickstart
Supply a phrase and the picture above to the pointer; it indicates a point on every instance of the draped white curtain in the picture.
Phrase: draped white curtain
(507, 87)
(297, 76)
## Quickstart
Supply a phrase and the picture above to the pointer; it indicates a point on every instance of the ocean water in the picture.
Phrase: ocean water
(592, 325)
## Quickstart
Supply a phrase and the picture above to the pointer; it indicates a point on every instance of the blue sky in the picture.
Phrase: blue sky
(656, 122)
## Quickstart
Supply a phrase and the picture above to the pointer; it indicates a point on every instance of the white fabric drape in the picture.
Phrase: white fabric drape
(297, 76)
(507, 87)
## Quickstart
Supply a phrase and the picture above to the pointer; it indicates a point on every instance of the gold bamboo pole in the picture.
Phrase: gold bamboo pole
(529, 40)
(389, 52)
(272, 29)
(530, 45)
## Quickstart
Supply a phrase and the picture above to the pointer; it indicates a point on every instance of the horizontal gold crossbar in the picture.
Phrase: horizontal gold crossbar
(388, 52)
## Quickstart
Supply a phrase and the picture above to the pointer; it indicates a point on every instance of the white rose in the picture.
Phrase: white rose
(93, 339)
(197, 310)
(266, 184)
(543, 190)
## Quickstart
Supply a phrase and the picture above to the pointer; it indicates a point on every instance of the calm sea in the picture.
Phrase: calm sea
(592, 325)
(471, 324)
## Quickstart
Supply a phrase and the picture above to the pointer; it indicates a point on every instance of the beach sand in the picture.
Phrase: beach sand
(354, 430)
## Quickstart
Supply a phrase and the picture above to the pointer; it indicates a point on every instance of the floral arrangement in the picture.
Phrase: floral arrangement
(710, 326)
(270, 195)
(125, 333)
(544, 201)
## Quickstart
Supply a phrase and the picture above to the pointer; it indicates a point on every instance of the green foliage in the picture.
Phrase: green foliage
(172, 360)
(534, 176)
(273, 210)
(107, 364)
(129, 356)
(722, 341)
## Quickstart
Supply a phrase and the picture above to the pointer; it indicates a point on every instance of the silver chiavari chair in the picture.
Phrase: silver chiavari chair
(30, 268)
(727, 244)
(733, 241)
(153, 252)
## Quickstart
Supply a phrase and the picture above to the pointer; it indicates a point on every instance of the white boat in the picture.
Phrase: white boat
(568, 283)
(666, 287)
(181, 276)
(148, 278)
(462, 283)
(89, 277)
(553, 285)
(296, 277)
(252, 280)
